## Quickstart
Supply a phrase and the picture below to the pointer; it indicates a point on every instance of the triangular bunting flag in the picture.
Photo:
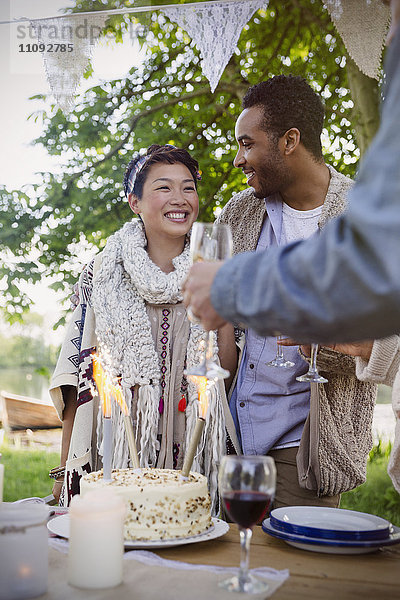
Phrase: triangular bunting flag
(215, 29)
(67, 44)
(362, 25)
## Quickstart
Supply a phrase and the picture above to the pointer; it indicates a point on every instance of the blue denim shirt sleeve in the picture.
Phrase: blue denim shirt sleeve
(344, 284)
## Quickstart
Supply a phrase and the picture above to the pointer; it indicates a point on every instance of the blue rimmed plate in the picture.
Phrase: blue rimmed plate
(330, 523)
(336, 546)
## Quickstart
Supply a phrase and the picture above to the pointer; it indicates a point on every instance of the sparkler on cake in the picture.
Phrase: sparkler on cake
(108, 390)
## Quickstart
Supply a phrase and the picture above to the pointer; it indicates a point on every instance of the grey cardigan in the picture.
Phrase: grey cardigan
(337, 435)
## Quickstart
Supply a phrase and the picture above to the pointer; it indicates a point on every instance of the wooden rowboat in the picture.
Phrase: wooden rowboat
(22, 412)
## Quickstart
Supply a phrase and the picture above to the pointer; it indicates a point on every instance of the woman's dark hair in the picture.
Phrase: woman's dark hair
(160, 154)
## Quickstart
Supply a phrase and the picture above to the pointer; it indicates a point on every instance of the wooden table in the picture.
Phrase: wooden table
(313, 576)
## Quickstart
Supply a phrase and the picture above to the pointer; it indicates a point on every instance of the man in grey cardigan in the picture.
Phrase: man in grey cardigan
(318, 437)
(342, 285)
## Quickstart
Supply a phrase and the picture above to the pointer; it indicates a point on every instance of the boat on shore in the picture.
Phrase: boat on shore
(23, 412)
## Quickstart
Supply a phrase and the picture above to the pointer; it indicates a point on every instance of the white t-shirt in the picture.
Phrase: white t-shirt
(299, 224)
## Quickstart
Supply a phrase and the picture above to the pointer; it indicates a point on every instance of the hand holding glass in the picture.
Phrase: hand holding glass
(312, 374)
(209, 242)
(247, 489)
(279, 360)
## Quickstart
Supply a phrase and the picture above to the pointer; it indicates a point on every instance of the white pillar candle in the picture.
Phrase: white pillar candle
(96, 542)
(23, 550)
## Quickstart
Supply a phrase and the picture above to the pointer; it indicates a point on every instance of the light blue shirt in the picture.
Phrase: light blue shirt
(268, 405)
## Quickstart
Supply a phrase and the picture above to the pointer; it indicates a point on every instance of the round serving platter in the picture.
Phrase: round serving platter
(60, 526)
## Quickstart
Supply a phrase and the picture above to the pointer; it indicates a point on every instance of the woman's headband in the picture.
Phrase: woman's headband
(134, 173)
(138, 167)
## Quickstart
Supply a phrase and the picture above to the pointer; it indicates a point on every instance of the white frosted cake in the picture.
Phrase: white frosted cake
(160, 504)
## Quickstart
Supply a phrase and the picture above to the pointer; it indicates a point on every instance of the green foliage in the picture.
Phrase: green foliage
(167, 99)
(24, 351)
(26, 473)
(377, 495)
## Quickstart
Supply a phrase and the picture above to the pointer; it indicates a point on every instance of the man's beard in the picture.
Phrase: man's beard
(279, 179)
(267, 188)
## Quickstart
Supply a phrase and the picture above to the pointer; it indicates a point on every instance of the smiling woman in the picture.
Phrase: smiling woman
(131, 312)
(164, 196)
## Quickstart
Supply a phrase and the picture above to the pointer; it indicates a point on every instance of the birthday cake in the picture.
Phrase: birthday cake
(160, 504)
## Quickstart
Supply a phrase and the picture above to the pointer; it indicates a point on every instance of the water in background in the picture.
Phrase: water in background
(25, 382)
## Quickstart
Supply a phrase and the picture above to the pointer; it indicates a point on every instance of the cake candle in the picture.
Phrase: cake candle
(131, 442)
(130, 436)
(201, 383)
(194, 442)
(103, 388)
(107, 438)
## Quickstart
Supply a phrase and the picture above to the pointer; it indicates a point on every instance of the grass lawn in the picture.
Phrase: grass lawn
(377, 495)
(26, 472)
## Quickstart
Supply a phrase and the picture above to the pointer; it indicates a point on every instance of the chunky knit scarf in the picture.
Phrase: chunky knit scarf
(125, 282)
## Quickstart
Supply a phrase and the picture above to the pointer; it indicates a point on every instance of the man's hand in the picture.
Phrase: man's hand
(196, 293)
(305, 348)
(362, 349)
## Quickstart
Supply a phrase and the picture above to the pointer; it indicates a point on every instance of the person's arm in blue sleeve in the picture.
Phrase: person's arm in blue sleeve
(345, 283)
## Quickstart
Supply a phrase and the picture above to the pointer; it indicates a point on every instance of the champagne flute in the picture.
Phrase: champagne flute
(209, 242)
(312, 374)
(279, 360)
(247, 488)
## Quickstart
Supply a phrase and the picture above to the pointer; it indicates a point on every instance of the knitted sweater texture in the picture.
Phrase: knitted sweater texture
(337, 435)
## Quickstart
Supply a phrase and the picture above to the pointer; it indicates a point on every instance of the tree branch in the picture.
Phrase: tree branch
(117, 147)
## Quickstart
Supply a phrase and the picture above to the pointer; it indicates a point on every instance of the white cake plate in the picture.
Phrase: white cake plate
(60, 526)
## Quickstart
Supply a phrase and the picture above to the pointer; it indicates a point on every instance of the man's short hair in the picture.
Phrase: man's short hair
(289, 101)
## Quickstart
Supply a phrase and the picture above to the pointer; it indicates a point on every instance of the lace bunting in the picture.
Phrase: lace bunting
(215, 30)
(362, 25)
(68, 45)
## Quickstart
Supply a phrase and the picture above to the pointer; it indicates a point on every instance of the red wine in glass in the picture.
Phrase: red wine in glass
(246, 508)
(247, 487)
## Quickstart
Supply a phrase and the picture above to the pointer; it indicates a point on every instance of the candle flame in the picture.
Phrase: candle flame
(107, 389)
(201, 383)
(25, 571)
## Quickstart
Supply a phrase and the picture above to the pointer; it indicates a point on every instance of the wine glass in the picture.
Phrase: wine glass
(279, 360)
(247, 488)
(312, 374)
(209, 242)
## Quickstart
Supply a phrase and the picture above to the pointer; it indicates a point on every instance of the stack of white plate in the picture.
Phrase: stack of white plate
(332, 530)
